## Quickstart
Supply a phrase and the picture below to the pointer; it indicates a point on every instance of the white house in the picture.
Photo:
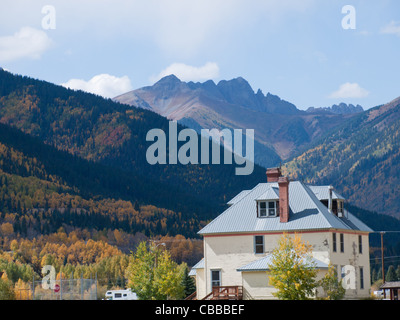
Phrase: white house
(238, 243)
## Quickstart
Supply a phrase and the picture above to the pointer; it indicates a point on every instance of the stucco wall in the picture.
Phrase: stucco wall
(230, 252)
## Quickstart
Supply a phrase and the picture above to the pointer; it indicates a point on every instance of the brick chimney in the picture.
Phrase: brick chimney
(273, 174)
(283, 183)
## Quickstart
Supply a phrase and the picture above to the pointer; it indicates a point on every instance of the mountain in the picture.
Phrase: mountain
(73, 170)
(281, 130)
(361, 158)
(114, 135)
(341, 108)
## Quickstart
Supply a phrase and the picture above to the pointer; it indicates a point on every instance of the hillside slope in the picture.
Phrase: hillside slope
(361, 159)
(114, 135)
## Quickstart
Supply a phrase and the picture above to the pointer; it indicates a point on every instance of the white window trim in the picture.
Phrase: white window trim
(267, 214)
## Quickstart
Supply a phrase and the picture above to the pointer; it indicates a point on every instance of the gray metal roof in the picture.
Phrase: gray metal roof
(238, 197)
(198, 265)
(306, 213)
(264, 263)
(322, 193)
(271, 194)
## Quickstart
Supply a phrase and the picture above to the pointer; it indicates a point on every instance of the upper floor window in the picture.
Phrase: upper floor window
(258, 244)
(334, 242)
(267, 209)
(360, 248)
(341, 242)
(340, 206)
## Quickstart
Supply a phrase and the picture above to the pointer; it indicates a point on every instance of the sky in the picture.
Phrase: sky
(312, 53)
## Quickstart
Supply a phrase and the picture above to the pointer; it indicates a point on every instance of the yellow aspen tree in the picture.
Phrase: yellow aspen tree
(292, 271)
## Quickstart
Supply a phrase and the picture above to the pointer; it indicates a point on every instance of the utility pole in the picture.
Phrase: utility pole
(383, 264)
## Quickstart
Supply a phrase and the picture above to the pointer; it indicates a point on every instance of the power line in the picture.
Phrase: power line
(390, 257)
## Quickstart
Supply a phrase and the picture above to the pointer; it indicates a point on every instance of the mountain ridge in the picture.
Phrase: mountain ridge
(281, 129)
(341, 108)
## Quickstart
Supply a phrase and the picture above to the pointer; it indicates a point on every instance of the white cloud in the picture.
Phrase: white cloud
(104, 85)
(26, 43)
(189, 73)
(392, 28)
(349, 90)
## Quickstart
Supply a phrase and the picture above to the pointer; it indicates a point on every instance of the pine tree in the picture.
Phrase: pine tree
(391, 274)
(398, 273)
(188, 282)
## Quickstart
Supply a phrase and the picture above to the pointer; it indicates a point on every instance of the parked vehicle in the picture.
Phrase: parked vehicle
(121, 295)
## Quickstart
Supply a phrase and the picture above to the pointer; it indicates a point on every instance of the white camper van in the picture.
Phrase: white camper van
(121, 295)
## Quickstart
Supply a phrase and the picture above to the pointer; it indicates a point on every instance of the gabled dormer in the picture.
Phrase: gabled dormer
(330, 198)
(268, 203)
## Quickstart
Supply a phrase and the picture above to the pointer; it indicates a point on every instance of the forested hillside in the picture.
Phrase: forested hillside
(361, 159)
(77, 192)
(114, 135)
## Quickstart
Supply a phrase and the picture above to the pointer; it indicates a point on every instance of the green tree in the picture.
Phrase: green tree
(331, 285)
(292, 271)
(398, 272)
(391, 274)
(152, 274)
(168, 277)
(188, 282)
(6, 289)
(379, 276)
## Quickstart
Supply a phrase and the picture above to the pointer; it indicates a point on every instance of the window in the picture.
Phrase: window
(262, 212)
(361, 278)
(360, 244)
(267, 209)
(334, 242)
(259, 244)
(341, 242)
(117, 295)
(340, 206)
(215, 278)
(272, 208)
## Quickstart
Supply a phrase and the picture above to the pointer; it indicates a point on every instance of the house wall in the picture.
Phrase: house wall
(200, 284)
(230, 252)
(352, 257)
(256, 285)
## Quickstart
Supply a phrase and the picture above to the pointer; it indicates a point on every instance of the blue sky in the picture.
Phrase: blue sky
(298, 50)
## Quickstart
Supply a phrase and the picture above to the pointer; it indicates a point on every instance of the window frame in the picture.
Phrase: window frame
(341, 242)
(265, 212)
(258, 245)
(262, 212)
(219, 281)
(340, 206)
(361, 278)
(334, 242)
